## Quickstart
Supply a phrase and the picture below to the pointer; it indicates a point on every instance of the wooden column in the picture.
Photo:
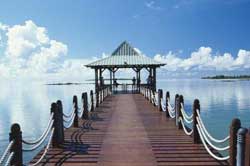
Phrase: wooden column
(85, 114)
(154, 79)
(235, 125)
(58, 136)
(75, 102)
(196, 137)
(96, 87)
(167, 97)
(100, 85)
(247, 149)
(16, 136)
(110, 77)
(139, 80)
(160, 92)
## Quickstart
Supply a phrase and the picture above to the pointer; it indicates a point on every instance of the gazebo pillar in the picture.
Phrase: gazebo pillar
(96, 86)
(139, 77)
(154, 79)
(110, 79)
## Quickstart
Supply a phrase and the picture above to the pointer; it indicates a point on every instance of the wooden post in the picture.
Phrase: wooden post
(58, 136)
(76, 111)
(167, 97)
(159, 99)
(177, 112)
(61, 127)
(247, 149)
(196, 106)
(235, 125)
(150, 95)
(181, 100)
(175, 107)
(85, 114)
(92, 101)
(16, 135)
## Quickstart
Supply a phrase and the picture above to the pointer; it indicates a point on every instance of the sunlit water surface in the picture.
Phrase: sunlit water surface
(29, 104)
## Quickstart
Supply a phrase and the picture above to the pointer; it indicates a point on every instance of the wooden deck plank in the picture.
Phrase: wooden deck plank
(128, 131)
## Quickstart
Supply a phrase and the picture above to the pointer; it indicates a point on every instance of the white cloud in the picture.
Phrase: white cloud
(152, 5)
(204, 60)
(22, 39)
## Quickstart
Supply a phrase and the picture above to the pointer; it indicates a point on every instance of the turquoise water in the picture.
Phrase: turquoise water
(29, 104)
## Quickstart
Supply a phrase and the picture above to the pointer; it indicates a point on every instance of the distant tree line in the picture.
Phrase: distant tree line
(228, 77)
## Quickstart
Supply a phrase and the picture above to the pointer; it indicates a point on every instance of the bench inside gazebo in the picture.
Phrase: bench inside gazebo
(125, 56)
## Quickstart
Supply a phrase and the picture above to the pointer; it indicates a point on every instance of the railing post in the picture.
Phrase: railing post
(176, 101)
(235, 125)
(76, 111)
(196, 137)
(167, 98)
(16, 148)
(247, 149)
(159, 99)
(92, 100)
(97, 98)
(150, 96)
(60, 120)
(58, 124)
(85, 114)
(241, 141)
(181, 100)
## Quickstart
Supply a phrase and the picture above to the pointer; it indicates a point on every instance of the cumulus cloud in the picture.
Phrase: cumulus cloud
(203, 59)
(27, 51)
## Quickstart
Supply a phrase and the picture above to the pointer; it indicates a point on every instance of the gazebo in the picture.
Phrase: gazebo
(125, 56)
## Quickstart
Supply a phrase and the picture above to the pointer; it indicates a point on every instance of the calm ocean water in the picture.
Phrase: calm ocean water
(29, 104)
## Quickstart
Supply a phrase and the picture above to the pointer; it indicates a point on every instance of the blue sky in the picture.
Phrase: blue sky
(177, 27)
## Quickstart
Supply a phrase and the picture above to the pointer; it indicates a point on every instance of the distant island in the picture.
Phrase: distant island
(227, 77)
(67, 83)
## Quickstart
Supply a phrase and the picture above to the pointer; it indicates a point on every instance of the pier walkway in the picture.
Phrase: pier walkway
(127, 129)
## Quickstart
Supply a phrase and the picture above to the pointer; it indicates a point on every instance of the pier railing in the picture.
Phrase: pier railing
(53, 135)
(235, 147)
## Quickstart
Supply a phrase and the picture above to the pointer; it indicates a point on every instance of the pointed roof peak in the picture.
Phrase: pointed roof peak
(125, 49)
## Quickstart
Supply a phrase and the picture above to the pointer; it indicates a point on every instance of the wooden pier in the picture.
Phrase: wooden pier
(128, 130)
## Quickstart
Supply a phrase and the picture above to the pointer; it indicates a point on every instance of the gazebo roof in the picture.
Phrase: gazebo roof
(125, 56)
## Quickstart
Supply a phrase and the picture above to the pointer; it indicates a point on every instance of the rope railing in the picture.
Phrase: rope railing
(185, 114)
(9, 159)
(6, 152)
(208, 134)
(50, 123)
(198, 131)
(185, 128)
(70, 122)
(71, 112)
(208, 141)
(45, 150)
(38, 144)
(208, 149)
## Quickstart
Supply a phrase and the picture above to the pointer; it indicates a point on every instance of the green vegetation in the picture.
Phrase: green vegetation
(227, 77)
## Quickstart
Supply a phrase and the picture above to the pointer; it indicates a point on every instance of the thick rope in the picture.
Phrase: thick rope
(9, 159)
(172, 109)
(70, 118)
(207, 148)
(6, 152)
(184, 127)
(40, 143)
(71, 112)
(184, 112)
(208, 141)
(45, 150)
(70, 123)
(43, 135)
(185, 118)
(207, 133)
